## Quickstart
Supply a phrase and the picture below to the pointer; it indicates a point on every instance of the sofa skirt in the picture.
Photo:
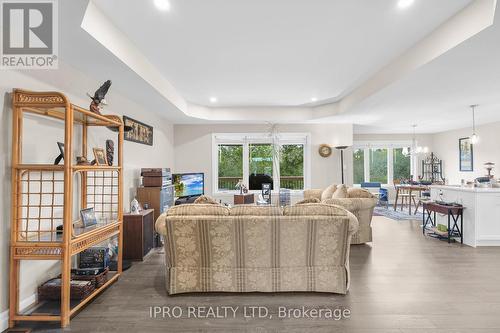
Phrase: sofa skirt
(257, 279)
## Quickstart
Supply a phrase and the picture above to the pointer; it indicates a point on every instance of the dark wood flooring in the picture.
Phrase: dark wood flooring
(403, 282)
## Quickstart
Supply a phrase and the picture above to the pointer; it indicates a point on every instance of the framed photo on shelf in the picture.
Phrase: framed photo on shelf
(88, 217)
(140, 132)
(466, 154)
(100, 156)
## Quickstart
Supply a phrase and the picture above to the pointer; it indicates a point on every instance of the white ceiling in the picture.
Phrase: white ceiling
(273, 52)
(437, 96)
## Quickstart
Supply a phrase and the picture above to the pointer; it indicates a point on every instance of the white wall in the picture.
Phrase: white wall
(40, 146)
(193, 148)
(487, 150)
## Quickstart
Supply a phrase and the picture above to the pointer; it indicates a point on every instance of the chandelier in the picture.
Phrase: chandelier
(415, 149)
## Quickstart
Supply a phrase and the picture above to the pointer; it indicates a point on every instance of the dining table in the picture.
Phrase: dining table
(409, 188)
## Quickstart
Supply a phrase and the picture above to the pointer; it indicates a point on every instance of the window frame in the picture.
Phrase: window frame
(246, 139)
(390, 146)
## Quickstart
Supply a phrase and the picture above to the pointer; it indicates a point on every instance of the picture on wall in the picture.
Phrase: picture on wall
(466, 153)
(140, 133)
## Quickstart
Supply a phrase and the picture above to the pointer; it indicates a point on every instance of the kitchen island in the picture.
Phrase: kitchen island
(481, 214)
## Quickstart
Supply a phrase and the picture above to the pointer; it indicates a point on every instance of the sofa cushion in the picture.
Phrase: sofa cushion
(328, 192)
(314, 193)
(340, 192)
(359, 193)
(254, 210)
(353, 204)
(313, 209)
(205, 199)
(198, 209)
(308, 200)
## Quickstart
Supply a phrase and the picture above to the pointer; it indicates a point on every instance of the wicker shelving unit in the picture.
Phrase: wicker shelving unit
(42, 199)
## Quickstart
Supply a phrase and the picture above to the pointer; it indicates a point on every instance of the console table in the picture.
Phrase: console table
(454, 213)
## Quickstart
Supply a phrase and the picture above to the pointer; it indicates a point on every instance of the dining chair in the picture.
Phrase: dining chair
(423, 198)
(404, 194)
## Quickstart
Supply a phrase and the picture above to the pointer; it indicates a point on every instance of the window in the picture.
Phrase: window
(254, 159)
(378, 165)
(382, 162)
(261, 165)
(358, 165)
(292, 167)
(401, 164)
(230, 163)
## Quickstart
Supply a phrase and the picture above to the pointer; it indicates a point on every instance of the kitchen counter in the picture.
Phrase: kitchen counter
(481, 213)
(467, 189)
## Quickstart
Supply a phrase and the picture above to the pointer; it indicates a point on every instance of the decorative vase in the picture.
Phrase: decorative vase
(134, 206)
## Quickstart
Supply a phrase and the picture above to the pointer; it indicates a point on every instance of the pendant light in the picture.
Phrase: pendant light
(474, 137)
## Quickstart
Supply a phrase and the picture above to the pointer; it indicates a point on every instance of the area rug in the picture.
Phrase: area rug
(396, 215)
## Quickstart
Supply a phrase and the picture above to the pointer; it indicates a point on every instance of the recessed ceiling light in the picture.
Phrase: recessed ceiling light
(405, 3)
(314, 99)
(213, 99)
(162, 4)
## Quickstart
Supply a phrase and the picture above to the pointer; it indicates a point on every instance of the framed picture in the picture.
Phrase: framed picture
(88, 217)
(466, 154)
(140, 133)
(100, 156)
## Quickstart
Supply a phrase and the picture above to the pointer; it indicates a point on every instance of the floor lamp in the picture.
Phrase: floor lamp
(341, 148)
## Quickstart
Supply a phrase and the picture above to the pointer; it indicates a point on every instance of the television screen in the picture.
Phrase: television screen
(188, 184)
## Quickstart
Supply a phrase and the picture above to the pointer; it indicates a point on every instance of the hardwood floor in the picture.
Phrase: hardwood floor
(403, 282)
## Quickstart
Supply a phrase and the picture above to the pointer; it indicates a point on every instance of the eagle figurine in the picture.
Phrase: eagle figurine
(99, 96)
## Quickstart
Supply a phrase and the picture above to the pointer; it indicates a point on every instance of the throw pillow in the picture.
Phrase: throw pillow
(309, 200)
(340, 192)
(204, 199)
(328, 192)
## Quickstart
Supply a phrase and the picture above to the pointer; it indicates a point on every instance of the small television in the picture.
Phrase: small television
(189, 184)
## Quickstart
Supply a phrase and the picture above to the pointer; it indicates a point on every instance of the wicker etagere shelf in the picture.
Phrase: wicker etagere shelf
(42, 200)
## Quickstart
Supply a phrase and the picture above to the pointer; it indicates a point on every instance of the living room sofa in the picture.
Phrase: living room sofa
(212, 248)
(358, 201)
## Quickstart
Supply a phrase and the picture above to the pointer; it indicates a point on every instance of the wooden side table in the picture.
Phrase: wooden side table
(138, 234)
(244, 199)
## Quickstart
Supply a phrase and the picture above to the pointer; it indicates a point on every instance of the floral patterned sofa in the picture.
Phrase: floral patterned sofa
(212, 248)
(358, 201)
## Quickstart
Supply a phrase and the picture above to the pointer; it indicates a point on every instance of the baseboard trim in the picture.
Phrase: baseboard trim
(4, 316)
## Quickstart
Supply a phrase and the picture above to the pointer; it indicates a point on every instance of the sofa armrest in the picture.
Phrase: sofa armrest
(353, 204)
(353, 223)
(314, 193)
(161, 224)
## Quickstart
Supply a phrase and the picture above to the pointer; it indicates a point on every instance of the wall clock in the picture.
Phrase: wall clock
(325, 150)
